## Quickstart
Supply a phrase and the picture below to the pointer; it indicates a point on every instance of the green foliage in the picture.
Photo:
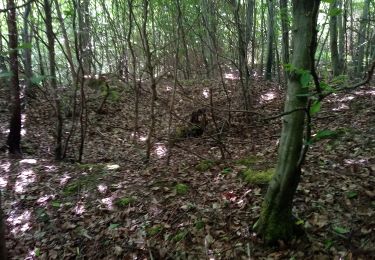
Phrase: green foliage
(351, 194)
(199, 224)
(227, 170)
(258, 177)
(324, 134)
(181, 235)
(124, 201)
(205, 165)
(341, 230)
(154, 230)
(315, 107)
(247, 161)
(181, 189)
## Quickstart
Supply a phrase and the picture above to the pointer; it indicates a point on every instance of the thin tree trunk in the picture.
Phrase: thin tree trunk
(276, 221)
(284, 34)
(335, 58)
(53, 81)
(270, 36)
(14, 136)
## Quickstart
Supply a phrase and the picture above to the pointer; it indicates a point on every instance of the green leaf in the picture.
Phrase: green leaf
(56, 204)
(315, 108)
(334, 12)
(325, 134)
(341, 230)
(351, 194)
(327, 88)
(113, 225)
(305, 79)
(328, 1)
(25, 45)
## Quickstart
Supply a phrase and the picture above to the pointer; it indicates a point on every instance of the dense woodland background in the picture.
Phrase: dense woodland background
(200, 129)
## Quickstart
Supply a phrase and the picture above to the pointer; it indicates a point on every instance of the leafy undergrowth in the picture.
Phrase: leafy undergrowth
(114, 206)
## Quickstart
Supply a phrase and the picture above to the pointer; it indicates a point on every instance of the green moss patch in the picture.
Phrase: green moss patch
(204, 165)
(124, 201)
(181, 189)
(180, 235)
(154, 230)
(258, 177)
(247, 161)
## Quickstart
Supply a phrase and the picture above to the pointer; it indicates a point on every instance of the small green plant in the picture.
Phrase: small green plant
(258, 177)
(204, 165)
(181, 235)
(181, 189)
(199, 224)
(124, 201)
(247, 161)
(227, 170)
(154, 230)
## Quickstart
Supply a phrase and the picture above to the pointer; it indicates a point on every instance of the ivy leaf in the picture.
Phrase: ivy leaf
(341, 230)
(334, 12)
(305, 79)
(325, 134)
(351, 194)
(113, 226)
(315, 108)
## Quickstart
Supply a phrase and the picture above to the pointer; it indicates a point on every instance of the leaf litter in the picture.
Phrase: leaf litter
(114, 206)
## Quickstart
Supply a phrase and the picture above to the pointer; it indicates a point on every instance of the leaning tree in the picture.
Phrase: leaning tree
(276, 221)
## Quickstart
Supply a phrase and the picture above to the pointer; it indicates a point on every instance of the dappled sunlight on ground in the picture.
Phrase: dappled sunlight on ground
(19, 223)
(64, 179)
(355, 161)
(102, 188)
(28, 161)
(365, 92)
(340, 107)
(79, 209)
(206, 93)
(108, 202)
(25, 178)
(160, 150)
(44, 199)
(5, 166)
(230, 76)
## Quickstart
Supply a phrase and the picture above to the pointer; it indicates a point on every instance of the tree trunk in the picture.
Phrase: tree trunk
(276, 220)
(335, 57)
(14, 136)
(361, 39)
(284, 33)
(3, 250)
(53, 81)
(270, 35)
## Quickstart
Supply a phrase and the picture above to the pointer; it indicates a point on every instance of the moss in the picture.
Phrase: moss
(154, 230)
(258, 177)
(204, 165)
(247, 161)
(277, 225)
(181, 235)
(124, 201)
(181, 189)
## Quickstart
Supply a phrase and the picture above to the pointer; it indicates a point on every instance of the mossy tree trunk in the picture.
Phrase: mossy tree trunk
(276, 220)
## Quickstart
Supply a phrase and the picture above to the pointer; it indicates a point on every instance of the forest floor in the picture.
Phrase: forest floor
(115, 206)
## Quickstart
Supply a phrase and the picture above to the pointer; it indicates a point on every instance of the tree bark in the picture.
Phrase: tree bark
(333, 32)
(276, 221)
(14, 136)
(53, 81)
(270, 35)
